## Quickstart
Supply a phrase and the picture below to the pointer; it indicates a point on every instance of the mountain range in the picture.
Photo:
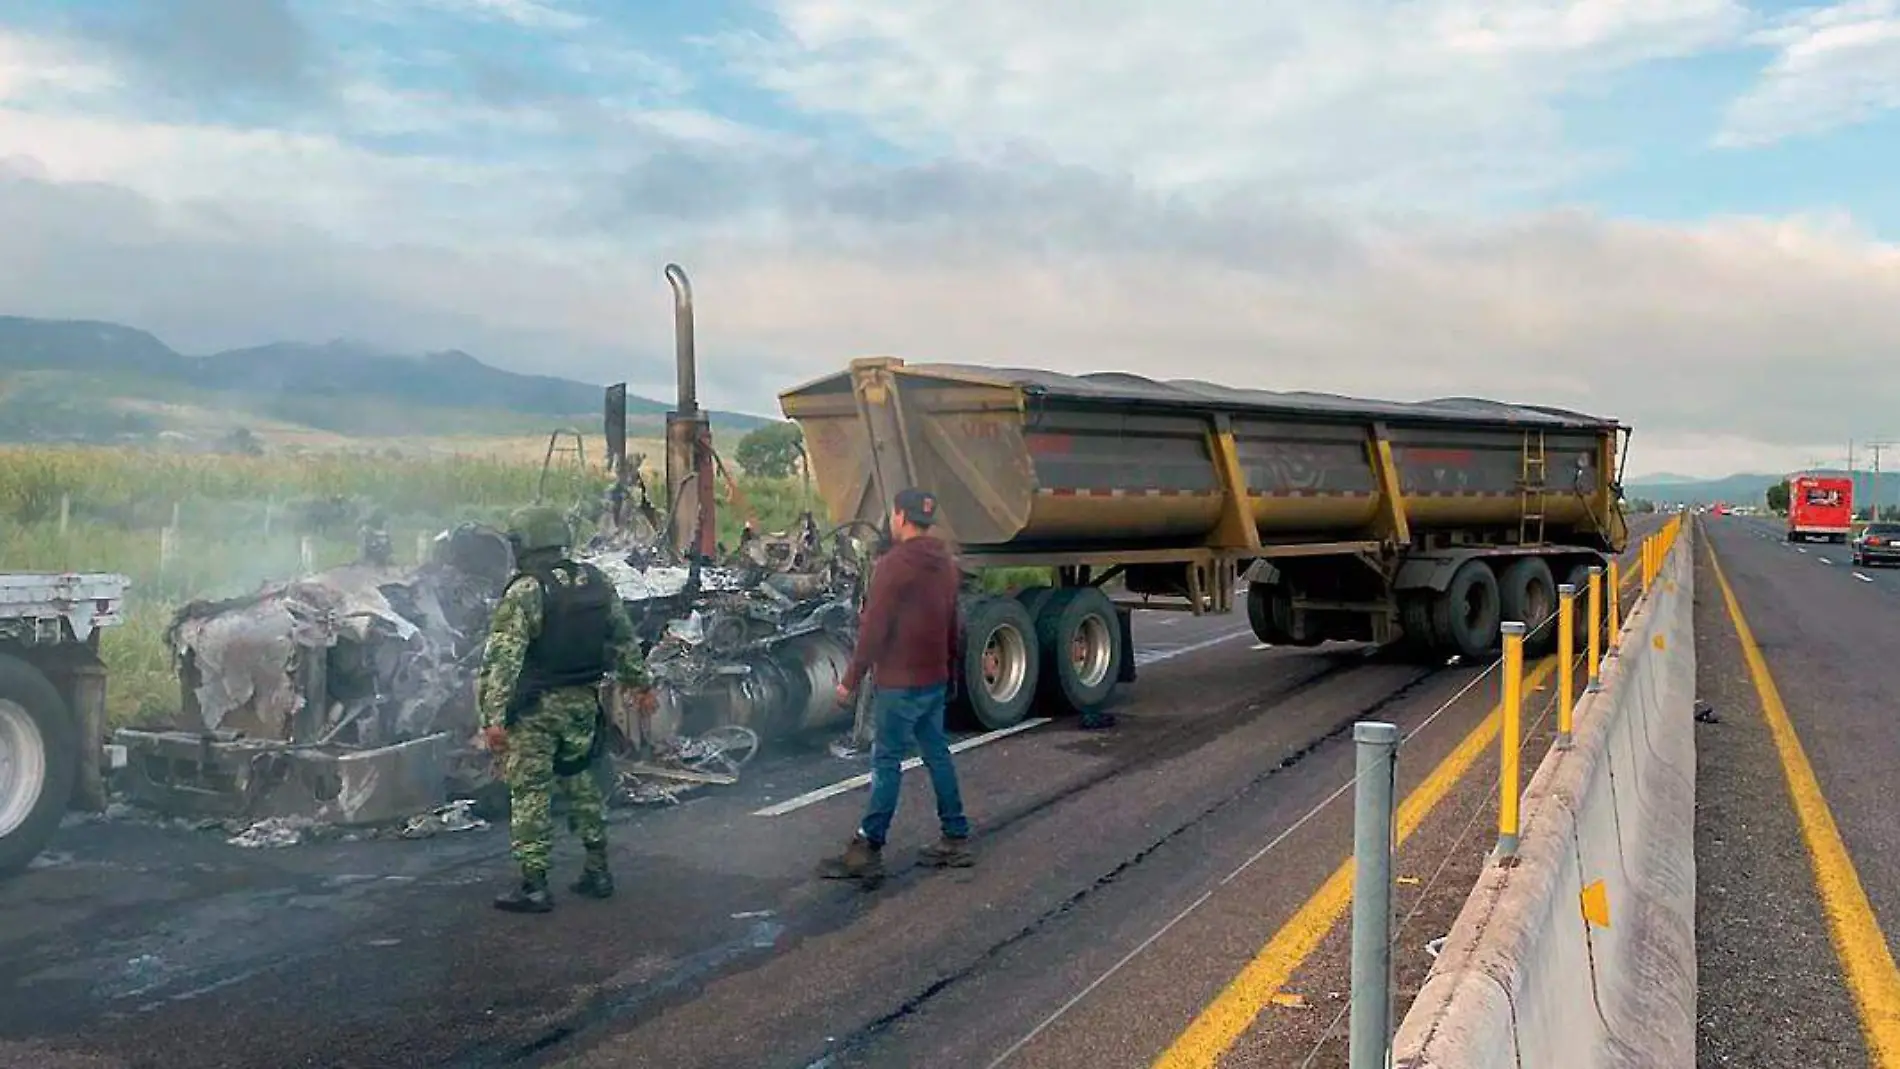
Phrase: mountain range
(1746, 489)
(76, 380)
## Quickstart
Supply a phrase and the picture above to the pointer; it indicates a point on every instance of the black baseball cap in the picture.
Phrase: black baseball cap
(917, 506)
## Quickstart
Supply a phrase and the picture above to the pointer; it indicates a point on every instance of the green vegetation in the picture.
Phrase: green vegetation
(772, 451)
(1777, 495)
(242, 520)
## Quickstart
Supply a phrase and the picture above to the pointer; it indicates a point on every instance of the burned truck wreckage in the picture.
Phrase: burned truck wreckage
(347, 696)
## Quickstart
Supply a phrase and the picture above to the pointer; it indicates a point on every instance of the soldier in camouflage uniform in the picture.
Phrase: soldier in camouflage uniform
(558, 631)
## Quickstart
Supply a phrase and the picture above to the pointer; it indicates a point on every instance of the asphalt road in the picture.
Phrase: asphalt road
(1796, 888)
(1072, 942)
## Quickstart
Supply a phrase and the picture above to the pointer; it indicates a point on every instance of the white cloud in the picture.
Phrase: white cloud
(1114, 189)
(1771, 334)
(34, 67)
(530, 14)
(1835, 66)
(1443, 99)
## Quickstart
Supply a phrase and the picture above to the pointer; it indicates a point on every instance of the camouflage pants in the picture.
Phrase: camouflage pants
(561, 727)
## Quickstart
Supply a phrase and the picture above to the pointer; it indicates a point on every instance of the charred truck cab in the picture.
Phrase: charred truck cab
(1425, 524)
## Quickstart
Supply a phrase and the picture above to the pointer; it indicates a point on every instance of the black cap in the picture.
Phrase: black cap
(917, 506)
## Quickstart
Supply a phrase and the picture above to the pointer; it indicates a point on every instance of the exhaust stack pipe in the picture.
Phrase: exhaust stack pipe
(684, 356)
(689, 456)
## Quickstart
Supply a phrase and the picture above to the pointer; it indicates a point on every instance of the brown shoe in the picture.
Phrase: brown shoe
(860, 861)
(948, 852)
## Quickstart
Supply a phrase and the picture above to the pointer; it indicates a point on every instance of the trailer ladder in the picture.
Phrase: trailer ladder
(1531, 490)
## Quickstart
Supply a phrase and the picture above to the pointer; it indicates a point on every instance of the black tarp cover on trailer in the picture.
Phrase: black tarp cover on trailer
(1116, 387)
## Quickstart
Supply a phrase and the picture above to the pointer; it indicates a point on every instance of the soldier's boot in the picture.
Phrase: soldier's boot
(596, 881)
(530, 897)
(951, 851)
(860, 861)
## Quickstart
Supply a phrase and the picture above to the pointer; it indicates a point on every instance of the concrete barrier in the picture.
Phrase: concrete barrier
(1582, 955)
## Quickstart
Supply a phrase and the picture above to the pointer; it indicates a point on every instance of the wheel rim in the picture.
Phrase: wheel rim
(1005, 664)
(1541, 606)
(22, 766)
(1090, 651)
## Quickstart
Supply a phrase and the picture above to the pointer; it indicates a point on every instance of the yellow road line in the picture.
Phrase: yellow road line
(1858, 941)
(1233, 1011)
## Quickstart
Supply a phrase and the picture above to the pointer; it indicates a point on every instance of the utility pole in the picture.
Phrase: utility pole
(1873, 491)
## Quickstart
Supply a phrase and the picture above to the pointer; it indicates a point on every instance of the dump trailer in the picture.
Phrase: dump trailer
(52, 702)
(1423, 524)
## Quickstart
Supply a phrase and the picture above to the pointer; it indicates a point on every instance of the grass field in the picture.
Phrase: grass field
(239, 521)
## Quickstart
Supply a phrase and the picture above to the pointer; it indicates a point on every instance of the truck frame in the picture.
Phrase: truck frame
(52, 702)
(1425, 524)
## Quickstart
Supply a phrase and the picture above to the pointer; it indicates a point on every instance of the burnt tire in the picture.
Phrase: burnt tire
(1081, 640)
(1001, 662)
(39, 761)
(1465, 616)
(1527, 592)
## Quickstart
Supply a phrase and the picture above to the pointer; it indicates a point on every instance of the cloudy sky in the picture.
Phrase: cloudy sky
(1683, 213)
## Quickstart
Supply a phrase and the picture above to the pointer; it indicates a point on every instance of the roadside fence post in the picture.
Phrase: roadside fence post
(1376, 747)
(1566, 658)
(1595, 644)
(1612, 584)
(1510, 740)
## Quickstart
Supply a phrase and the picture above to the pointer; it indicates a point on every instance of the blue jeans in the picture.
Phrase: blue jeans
(913, 712)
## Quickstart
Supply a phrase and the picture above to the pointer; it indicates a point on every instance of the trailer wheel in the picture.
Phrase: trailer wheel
(1415, 615)
(1001, 661)
(1270, 613)
(1082, 650)
(39, 758)
(1527, 592)
(1465, 617)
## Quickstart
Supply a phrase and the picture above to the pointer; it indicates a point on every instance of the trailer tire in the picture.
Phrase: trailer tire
(1465, 617)
(1527, 592)
(39, 760)
(1080, 624)
(1415, 616)
(1270, 613)
(1001, 662)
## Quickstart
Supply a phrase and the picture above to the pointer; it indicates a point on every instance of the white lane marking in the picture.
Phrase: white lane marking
(1263, 645)
(1824, 560)
(863, 779)
(1167, 621)
(1863, 578)
(1800, 549)
(1148, 657)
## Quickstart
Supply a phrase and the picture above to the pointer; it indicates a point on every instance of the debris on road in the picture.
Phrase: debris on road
(273, 833)
(456, 816)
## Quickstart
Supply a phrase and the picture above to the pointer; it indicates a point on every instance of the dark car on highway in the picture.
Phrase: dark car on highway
(1878, 544)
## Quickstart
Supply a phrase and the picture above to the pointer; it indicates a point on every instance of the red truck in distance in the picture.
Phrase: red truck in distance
(1820, 507)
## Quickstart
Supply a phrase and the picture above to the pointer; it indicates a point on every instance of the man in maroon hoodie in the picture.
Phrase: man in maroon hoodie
(908, 638)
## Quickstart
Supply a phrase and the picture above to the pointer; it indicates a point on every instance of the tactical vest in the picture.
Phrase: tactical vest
(571, 650)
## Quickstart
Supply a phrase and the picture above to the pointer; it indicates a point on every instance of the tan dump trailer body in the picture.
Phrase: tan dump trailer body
(1370, 521)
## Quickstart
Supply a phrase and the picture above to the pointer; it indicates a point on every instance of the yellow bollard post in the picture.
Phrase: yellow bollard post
(1596, 629)
(1612, 585)
(1508, 741)
(1566, 661)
